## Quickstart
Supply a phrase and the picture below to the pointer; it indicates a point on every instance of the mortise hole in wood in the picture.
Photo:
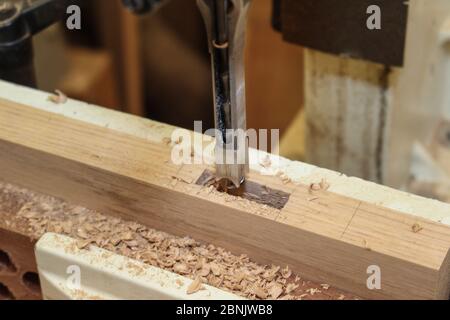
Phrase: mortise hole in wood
(249, 190)
(32, 282)
(5, 293)
(6, 264)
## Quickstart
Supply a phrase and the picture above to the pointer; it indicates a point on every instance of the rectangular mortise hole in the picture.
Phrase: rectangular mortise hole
(249, 190)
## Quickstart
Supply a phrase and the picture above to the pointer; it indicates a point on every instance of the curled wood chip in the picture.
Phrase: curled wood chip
(416, 228)
(58, 98)
(237, 274)
(271, 273)
(291, 287)
(132, 243)
(82, 244)
(275, 291)
(325, 286)
(67, 227)
(324, 185)
(28, 214)
(82, 234)
(216, 270)
(366, 245)
(167, 141)
(179, 282)
(126, 236)
(266, 162)
(195, 286)
(313, 291)
(286, 273)
(205, 270)
(259, 292)
(181, 268)
(285, 179)
(239, 277)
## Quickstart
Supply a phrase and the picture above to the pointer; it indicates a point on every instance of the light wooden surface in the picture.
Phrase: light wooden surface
(118, 163)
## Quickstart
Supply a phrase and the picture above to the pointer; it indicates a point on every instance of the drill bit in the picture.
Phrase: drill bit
(225, 25)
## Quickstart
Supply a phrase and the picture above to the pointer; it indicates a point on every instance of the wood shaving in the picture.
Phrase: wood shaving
(323, 185)
(259, 292)
(285, 179)
(216, 270)
(58, 98)
(291, 287)
(181, 268)
(325, 286)
(416, 228)
(33, 214)
(313, 291)
(205, 270)
(179, 282)
(83, 244)
(366, 245)
(195, 286)
(286, 273)
(266, 162)
(275, 291)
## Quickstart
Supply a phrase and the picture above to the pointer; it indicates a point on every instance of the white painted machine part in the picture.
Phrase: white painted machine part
(67, 272)
(363, 119)
(445, 44)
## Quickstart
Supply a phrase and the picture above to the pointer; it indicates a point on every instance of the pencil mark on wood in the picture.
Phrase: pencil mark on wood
(353, 216)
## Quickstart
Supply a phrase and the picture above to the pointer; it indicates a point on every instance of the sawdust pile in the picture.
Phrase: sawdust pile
(35, 214)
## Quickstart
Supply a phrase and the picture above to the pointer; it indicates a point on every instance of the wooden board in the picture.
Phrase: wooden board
(327, 235)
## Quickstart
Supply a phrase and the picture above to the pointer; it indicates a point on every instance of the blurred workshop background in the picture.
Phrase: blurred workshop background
(158, 65)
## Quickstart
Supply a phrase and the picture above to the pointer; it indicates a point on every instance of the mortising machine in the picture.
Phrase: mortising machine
(365, 115)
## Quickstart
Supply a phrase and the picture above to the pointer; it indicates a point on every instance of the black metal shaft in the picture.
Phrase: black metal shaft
(222, 66)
